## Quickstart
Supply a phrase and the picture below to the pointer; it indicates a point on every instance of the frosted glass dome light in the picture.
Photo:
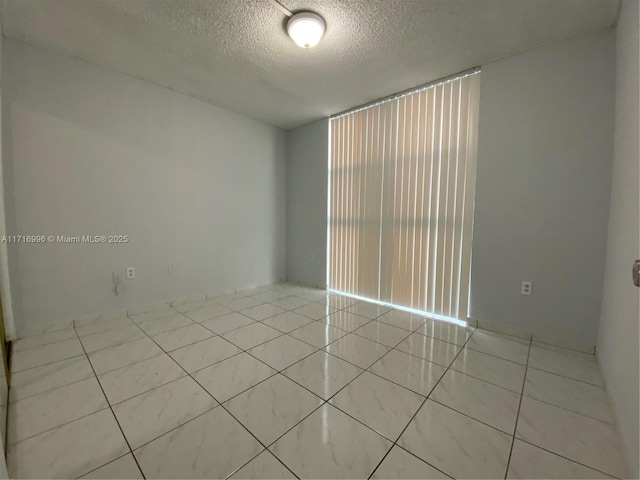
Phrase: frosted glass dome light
(306, 29)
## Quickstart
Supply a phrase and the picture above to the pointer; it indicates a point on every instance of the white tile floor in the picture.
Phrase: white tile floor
(285, 381)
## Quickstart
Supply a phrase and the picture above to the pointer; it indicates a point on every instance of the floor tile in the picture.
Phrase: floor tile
(137, 378)
(82, 322)
(47, 377)
(291, 302)
(112, 358)
(381, 405)
(152, 314)
(153, 413)
(456, 444)
(282, 352)
(368, 310)
(165, 324)
(229, 377)
(582, 439)
(287, 321)
(318, 334)
(483, 401)
(499, 347)
(330, 444)
(124, 467)
(336, 301)
(213, 445)
(262, 311)
(447, 332)
(578, 367)
(35, 357)
(566, 351)
(528, 461)
(345, 320)
(202, 354)
(314, 311)
(411, 372)
(54, 454)
(357, 350)
(506, 374)
(207, 312)
(264, 466)
(191, 306)
(428, 348)
(272, 407)
(45, 339)
(382, 333)
(241, 303)
(269, 296)
(39, 413)
(226, 323)
(308, 294)
(405, 320)
(182, 337)
(251, 335)
(322, 373)
(103, 325)
(401, 464)
(227, 297)
(117, 336)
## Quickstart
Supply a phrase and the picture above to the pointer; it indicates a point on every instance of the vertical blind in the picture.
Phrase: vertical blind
(401, 196)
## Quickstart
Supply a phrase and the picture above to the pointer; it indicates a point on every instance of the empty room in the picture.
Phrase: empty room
(340, 239)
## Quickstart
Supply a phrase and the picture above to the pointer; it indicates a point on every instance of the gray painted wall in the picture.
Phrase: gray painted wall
(307, 160)
(91, 151)
(618, 336)
(543, 184)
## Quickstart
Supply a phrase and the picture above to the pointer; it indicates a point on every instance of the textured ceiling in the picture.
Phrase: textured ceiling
(236, 54)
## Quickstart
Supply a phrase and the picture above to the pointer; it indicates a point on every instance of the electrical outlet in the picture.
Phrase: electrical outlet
(311, 257)
(131, 272)
(171, 268)
(526, 287)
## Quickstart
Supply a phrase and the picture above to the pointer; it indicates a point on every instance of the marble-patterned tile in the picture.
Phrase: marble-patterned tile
(357, 350)
(312, 295)
(322, 373)
(578, 367)
(368, 310)
(287, 321)
(204, 353)
(213, 445)
(153, 413)
(191, 306)
(506, 374)
(117, 336)
(124, 467)
(272, 407)
(330, 444)
(208, 312)
(499, 347)
(39, 413)
(447, 332)
(132, 380)
(55, 453)
(401, 319)
(318, 334)
(525, 339)
(382, 333)
(103, 325)
(223, 298)
(290, 302)
(269, 296)
(584, 350)
(47, 377)
(41, 329)
(337, 301)
(151, 314)
(226, 323)
(229, 377)
(529, 461)
(262, 311)
(112, 358)
(315, 311)
(264, 466)
(35, 357)
(181, 337)
(165, 324)
(190, 299)
(429, 348)
(241, 304)
(411, 372)
(251, 335)
(483, 401)
(456, 444)
(582, 439)
(401, 464)
(45, 339)
(571, 394)
(282, 352)
(81, 322)
(345, 320)
(381, 405)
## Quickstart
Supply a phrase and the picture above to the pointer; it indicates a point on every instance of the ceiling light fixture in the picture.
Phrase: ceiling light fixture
(306, 29)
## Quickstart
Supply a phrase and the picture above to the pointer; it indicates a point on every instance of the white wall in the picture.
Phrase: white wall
(307, 150)
(91, 151)
(619, 334)
(543, 183)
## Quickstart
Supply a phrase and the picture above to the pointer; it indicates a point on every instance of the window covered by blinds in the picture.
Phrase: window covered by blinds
(401, 196)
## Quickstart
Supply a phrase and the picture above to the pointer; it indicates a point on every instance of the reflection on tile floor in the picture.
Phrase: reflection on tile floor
(285, 381)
